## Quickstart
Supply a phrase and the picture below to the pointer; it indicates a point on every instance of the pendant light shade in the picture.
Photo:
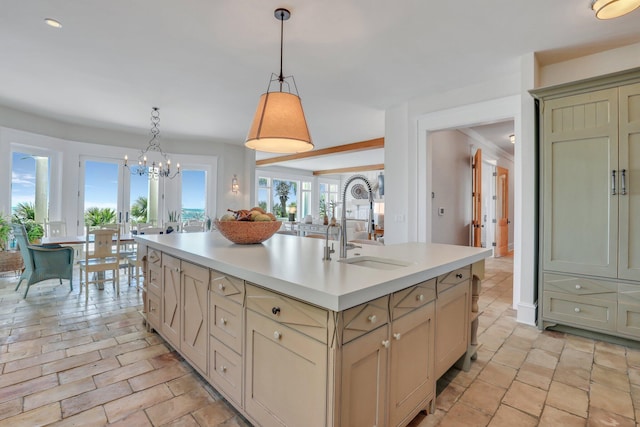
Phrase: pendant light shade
(279, 125)
(608, 9)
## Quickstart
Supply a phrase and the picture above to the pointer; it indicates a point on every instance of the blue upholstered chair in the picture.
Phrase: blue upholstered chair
(42, 262)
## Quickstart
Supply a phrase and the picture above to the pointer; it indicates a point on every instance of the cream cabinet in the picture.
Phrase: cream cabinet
(590, 203)
(286, 367)
(184, 313)
(153, 288)
(453, 308)
(412, 381)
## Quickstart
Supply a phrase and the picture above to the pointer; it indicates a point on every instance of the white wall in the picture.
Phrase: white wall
(451, 187)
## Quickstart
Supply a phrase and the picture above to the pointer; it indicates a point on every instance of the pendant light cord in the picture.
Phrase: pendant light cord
(281, 77)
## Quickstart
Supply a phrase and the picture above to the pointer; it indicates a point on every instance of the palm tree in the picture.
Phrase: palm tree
(97, 216)
(282, 190)
(24, 211)
(139, 209)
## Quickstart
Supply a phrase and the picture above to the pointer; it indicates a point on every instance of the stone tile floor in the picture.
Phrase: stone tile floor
(66, 364)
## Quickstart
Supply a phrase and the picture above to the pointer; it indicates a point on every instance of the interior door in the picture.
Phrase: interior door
(502, 212)
(477, 199)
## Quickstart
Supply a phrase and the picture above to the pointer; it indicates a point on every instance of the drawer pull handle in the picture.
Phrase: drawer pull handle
(578, 287)
(277, 335)
(177, 269)
(223, 320)
(397, 336)
(275, 311)
(459, 275)
(386, 343)
(221, 286)
(373, 318)
(420, 297)
(224, 369)
(577, 310)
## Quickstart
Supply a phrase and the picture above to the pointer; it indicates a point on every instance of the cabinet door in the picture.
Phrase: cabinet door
(452, 326)
(411, 378)
(580, 213)
(629, 168)
(286, 375)
(170, 300)
(364, 379)
(193, 337)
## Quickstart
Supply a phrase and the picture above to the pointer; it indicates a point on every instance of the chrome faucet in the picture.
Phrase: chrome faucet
(328, 251)
(343, 231)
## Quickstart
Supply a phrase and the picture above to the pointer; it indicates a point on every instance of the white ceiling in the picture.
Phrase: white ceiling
(204, 63)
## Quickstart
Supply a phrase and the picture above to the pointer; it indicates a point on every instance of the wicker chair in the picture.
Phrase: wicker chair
(43, 262)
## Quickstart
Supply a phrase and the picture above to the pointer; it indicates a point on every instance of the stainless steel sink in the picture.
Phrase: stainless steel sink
(375, 262)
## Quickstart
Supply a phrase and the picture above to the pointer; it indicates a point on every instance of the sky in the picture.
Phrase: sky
(101, 184)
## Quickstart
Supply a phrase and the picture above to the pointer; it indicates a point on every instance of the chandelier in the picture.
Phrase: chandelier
(279, 125)
(154, 170)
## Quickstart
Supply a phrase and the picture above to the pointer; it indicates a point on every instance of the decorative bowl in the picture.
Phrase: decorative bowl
(248, 232)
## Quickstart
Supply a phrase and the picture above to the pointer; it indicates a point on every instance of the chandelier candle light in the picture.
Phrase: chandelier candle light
(155, 170)
(279, 125)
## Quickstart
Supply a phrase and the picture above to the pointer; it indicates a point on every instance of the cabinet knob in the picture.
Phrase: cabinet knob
(177, 269)
(577, 310)
(420, 297)
(224, 369)
(578, 287)
(223, 320)
(373, 318)
(221, 286)
(277, 335)
(275, 311)
(459, 275)
(385, 343)
(397, 336)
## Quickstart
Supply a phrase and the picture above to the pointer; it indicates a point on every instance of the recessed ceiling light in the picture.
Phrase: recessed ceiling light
(53, 23)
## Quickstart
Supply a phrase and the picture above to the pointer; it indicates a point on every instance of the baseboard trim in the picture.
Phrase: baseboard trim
(527, 313)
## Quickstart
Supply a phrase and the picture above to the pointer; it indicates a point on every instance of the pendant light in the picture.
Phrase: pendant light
(279, 125)
(608, 9)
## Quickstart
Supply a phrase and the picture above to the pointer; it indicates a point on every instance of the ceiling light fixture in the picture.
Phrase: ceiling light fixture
(279, 125)
(156, 169)
(512, 138)
(608, 9)
(53, 23)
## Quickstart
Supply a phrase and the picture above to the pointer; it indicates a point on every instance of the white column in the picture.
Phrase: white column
(42, 188)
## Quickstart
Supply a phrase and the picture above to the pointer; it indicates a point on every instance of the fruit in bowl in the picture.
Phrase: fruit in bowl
(248, 226)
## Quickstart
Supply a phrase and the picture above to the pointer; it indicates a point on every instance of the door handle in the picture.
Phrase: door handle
(623, 179)
(613, 183)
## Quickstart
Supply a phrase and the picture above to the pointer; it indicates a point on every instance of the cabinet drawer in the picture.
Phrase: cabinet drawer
(580, 286)
(296, 314)
(580, 310)
(225, 370)
(154, 279)
(629, 294)
(406, 300)
(363, 318)
(153, 310)
(227, 286)
(453, 278)
(154, 257)
(225, 321)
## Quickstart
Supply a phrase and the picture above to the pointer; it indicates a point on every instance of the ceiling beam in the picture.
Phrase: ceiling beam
(356, 146)
(378, 167)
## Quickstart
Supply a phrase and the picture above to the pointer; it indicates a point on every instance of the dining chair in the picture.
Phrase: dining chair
(101, 254)
(42, 262)
(55, 228)
(134, 263)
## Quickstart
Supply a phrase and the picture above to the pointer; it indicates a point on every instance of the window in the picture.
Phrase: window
(304, 208)
(264, 193)
(24, 189)
(329, 192)
(273, 191)
(194, 195)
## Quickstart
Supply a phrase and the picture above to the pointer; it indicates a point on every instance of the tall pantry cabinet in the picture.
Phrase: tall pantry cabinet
(590, 204)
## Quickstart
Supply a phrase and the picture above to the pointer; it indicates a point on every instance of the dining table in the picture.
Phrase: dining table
(125, 239)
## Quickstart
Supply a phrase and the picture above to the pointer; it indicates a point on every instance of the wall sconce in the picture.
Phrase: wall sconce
(292, 213)
(235, 187)
(512, 138)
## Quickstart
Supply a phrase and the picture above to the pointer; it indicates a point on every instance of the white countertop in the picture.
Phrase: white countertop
(293, 265)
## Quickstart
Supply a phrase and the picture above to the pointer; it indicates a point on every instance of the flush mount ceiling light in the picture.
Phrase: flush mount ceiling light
(279, 125)
(608, 9)
(52, 23)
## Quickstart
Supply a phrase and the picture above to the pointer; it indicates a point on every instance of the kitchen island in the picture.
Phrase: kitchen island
(290, 339)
